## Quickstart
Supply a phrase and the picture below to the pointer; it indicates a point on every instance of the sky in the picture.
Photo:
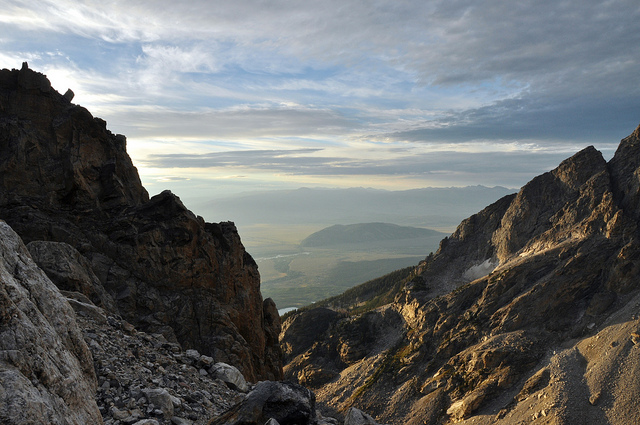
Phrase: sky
(220, 97)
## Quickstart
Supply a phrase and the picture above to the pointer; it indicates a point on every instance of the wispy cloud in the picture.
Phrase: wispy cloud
(271, 159)
(512, 167)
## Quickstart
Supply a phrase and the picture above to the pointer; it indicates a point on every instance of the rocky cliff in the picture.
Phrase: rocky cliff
(69, 189)
(46, 369)
(529, 311)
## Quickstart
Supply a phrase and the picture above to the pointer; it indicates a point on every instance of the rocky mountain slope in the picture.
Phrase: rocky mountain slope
(68, 185)
(528, 312)
(64, 360)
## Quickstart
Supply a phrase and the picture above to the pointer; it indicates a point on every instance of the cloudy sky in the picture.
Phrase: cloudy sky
(220, 96)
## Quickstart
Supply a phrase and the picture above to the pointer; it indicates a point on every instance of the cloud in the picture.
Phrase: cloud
(254, 158)
(174, 58)
(395, 84)
(569, 122)
(552, 45)
(442, 42)
(511, 168)
(242, 122)
(172, 179)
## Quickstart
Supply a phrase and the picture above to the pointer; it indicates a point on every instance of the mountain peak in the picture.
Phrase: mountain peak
(58, 155)
(475, 329)
(65, 178)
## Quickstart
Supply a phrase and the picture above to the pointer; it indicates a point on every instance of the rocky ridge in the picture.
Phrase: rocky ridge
(65, 178)
(510, 320)
(101, 310)
(64, 360)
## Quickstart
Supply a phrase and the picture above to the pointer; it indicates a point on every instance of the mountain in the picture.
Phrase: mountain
(115, 307)
(120, 308)
(67, 184)
(365, 232)
(528, 312)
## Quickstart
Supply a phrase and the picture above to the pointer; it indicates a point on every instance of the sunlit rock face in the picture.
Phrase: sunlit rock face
(504, 323)
(65, 178)
(46, 370)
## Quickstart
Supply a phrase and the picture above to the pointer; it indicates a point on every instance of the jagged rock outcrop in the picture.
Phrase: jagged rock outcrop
(513, 304)
(302, 331)
(65, 178)
(70, 271)
(46, 369)
(337, 341)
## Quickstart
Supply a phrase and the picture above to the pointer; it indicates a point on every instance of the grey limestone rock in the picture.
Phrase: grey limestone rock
(358, 417)
(230, 375)
(147, 422)
(161, 399)
(46, 369)
(70, 271)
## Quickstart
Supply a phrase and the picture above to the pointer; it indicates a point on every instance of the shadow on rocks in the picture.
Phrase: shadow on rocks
(285, 402)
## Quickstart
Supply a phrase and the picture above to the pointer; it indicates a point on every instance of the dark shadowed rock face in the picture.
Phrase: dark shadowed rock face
(57, 154)
(550, 268)
(65, 178)
(302, 331)
(284, 402)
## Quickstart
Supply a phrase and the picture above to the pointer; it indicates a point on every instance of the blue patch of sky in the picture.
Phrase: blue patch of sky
(83, 52)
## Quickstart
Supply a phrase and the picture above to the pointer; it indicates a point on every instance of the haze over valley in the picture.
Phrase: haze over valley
(275, 225)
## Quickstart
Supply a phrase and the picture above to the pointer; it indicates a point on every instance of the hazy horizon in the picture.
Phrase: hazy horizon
(276, 221)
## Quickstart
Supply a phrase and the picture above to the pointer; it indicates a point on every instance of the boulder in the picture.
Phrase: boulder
(69, 95)
(358, 417)
(230, 375)
(161, 399)
(284, 402)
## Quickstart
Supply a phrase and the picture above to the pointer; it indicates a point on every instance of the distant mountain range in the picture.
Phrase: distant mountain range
(366, 232)
(436, 208)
